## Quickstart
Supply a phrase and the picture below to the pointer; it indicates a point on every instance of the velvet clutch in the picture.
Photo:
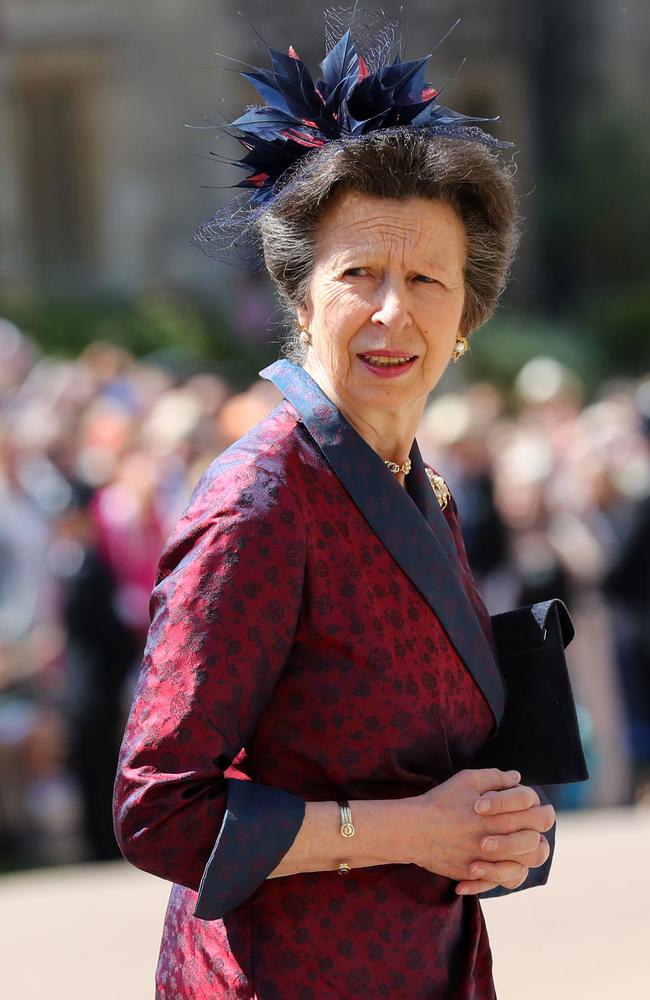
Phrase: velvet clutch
(539, 734)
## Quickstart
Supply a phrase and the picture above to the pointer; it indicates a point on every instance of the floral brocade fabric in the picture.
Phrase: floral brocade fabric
(288, 649)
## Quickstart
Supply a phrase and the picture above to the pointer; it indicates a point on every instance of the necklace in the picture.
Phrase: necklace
(438, 484)
(394, 467)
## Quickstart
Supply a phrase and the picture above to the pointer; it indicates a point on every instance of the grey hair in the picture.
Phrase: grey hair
(398, 164)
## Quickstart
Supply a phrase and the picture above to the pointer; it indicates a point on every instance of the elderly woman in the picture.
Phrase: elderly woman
(320, 669)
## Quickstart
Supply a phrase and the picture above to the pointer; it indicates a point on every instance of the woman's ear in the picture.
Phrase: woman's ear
(303, 312)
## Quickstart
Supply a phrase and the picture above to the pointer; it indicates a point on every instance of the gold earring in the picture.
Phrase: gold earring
(460, 348)
(305, 336)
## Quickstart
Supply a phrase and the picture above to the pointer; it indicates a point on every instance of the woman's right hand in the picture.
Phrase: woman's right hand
(449, 832)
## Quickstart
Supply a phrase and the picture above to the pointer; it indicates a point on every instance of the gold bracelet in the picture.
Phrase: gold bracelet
(347, 830)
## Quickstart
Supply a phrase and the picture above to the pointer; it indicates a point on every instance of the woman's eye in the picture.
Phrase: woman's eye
(356, 272)
(426, 279)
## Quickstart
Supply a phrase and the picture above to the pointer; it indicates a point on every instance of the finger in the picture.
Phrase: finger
(538, 818)
(536, 858)
(508, 873)
(474, 886)
(506, 800)
(487, 778)
(503, 847)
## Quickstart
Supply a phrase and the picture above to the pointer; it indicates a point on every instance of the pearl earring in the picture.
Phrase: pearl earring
(305, 336)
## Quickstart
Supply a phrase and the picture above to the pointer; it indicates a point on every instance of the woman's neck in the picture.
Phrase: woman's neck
(388, 432)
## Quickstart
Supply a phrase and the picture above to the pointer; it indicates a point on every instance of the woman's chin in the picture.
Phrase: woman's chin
(388, 396)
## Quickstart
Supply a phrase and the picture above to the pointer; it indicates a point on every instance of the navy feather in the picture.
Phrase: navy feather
(340, 67)
(348, 100)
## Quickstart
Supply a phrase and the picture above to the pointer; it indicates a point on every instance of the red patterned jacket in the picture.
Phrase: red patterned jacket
(315, 634)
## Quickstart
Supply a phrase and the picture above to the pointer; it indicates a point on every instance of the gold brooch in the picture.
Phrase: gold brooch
(439, 487)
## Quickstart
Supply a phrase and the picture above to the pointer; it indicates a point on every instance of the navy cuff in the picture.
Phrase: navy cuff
(259, 826)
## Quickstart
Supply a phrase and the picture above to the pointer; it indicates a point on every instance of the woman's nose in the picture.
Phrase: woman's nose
(391, 309)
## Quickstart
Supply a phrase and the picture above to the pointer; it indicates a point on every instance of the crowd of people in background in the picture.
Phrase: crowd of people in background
(98, 457)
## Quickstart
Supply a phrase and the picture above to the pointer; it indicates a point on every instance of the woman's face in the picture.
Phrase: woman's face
(385, 300)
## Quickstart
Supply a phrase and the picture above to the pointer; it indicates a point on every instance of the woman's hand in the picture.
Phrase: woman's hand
(453, 834)
(501, 855)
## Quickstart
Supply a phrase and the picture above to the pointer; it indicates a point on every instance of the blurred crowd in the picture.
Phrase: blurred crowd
(98, 456)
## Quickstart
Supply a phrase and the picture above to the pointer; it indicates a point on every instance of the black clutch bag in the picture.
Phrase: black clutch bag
(539, 734)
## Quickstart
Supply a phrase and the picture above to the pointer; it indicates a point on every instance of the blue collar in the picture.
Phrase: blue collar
(412, 527)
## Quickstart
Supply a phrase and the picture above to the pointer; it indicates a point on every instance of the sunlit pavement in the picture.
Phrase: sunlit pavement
(92, 932)
(586, 934)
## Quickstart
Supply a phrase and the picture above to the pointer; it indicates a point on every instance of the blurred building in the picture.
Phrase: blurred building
(94, 190)
(99, 189)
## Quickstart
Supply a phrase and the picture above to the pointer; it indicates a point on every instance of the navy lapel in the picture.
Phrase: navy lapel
(422, 494)
(420, 543)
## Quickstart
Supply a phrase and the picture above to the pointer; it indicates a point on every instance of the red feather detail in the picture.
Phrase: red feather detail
(256, 180)
(306, 121)
(428, 93)
(363, 69)
(304, 138)
(292, 52)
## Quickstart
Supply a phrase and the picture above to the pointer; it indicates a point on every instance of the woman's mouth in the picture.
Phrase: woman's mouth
(388, 364)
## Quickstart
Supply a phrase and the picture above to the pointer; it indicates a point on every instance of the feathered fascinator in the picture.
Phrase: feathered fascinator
(365, 85)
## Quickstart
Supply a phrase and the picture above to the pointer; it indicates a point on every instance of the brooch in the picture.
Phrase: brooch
(439, 487)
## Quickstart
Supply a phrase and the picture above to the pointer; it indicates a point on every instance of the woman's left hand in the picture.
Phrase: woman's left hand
(505, 859)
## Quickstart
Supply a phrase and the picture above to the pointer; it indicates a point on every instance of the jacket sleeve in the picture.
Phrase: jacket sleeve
(224, 612)
(536, 876)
